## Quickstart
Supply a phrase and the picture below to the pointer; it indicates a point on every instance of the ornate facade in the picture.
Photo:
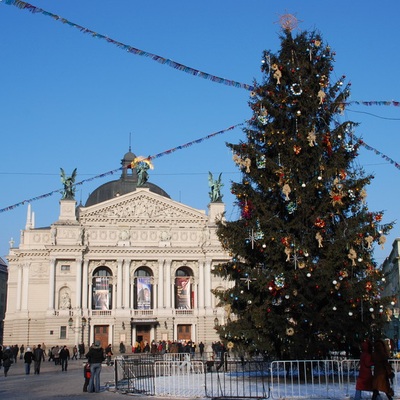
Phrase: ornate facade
(131, 265)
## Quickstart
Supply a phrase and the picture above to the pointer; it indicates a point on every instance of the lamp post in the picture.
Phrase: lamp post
(83, 329)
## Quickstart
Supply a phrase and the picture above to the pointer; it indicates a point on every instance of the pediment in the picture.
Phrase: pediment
(141, 206)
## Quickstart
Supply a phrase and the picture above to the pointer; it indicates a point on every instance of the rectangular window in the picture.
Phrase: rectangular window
(63, 332)
(65, 267)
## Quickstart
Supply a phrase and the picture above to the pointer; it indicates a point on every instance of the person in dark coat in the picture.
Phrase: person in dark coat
(28, 358)
(64, 357)
(95, 357)
(8, 359)
(382, 371)
(364, 380)
(37, 356)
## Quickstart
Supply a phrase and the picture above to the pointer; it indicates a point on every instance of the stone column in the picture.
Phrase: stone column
(52, 282)
(85, 284)
(119, 283)
(168, 284)
(25, 286)
(160, 284)
(78, 283)
(127, 281)
(207, 283)
(19, 287)
(201, 284)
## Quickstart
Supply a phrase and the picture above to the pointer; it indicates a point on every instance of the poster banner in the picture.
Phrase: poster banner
(183, 290)
(143, 294)
(101, 293)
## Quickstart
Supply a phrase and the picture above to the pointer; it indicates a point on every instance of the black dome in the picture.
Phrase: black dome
(125, 184)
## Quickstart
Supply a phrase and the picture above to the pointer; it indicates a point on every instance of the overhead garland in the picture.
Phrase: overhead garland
(162, 60)
(181, 67)
(170, 151)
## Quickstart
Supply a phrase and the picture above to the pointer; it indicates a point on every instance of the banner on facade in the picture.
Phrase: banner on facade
(101, 293)
(143, 294)
(183, 290)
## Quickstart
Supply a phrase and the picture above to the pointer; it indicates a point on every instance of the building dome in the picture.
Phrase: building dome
(125, 184)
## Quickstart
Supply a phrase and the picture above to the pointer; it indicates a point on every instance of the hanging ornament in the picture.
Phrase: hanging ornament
(263, 111)
(289, 331)
(368, 286)
(291, 207)
(369, 240)
(327, 142)
(286, 191)
(363, 196)
(288, 252)
(262, 119)
(296, 89)
(296, 149)
(312, 138)
(277, 73)
(321, 95)
(336, 198)
(319, 238)
(261, 162)
(319, 223)
(382, 241)
(352, 256)
(244, 163)
(279, 281)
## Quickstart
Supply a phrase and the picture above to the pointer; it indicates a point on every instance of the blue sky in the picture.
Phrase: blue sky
(71, 100)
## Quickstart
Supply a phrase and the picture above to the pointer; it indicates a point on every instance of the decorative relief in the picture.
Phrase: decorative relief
(142, 206)
(38, 270)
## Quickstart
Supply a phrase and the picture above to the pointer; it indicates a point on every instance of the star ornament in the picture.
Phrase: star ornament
(288, 22)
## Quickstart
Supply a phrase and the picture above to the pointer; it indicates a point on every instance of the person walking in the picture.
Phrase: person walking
(95, 357)
(8, 359)
(28, 358)
(75, 353)
(364, 379)
(21, 352)
(383, 372)
(109, 354)
(64, 357)
(38, 356)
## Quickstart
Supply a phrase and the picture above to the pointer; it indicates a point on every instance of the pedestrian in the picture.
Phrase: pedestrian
(109, 354)
(201, 349)
(364, 379)
(87, 375)
(28, 358)
(14, 351)
(1, 356)
(56, 355)
(81, 349)
(122, 348)
(95, 357)
(75, 353)
(64, 357)
(8, 359)
(21, 352)
(38, 356)
(383, 372)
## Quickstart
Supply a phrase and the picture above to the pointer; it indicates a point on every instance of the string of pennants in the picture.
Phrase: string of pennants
(170, 151)
(162, 60)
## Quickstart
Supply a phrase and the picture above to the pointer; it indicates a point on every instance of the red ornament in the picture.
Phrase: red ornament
(319, 223)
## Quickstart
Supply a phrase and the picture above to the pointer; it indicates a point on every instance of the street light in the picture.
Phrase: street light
(83, 322)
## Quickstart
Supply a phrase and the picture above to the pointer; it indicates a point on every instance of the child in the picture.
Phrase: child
(86, 374)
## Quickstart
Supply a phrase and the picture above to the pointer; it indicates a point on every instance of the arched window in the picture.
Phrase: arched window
(183, 288)
(143, 289)
(102, 289)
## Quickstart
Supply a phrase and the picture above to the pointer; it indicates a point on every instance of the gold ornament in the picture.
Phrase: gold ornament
(352, 256)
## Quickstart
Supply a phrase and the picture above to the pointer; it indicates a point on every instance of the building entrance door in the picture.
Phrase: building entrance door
(184, 332)
(143, 333)
(101, 334)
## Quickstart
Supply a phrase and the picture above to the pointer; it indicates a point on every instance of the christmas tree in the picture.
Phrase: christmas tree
(303, 279)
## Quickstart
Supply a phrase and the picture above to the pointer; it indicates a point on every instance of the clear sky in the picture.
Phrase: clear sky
(71, 100)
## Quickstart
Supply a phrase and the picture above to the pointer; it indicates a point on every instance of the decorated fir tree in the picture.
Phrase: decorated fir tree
(303, 277)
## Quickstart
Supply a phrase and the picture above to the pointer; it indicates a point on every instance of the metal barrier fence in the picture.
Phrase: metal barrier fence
(181, 375)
